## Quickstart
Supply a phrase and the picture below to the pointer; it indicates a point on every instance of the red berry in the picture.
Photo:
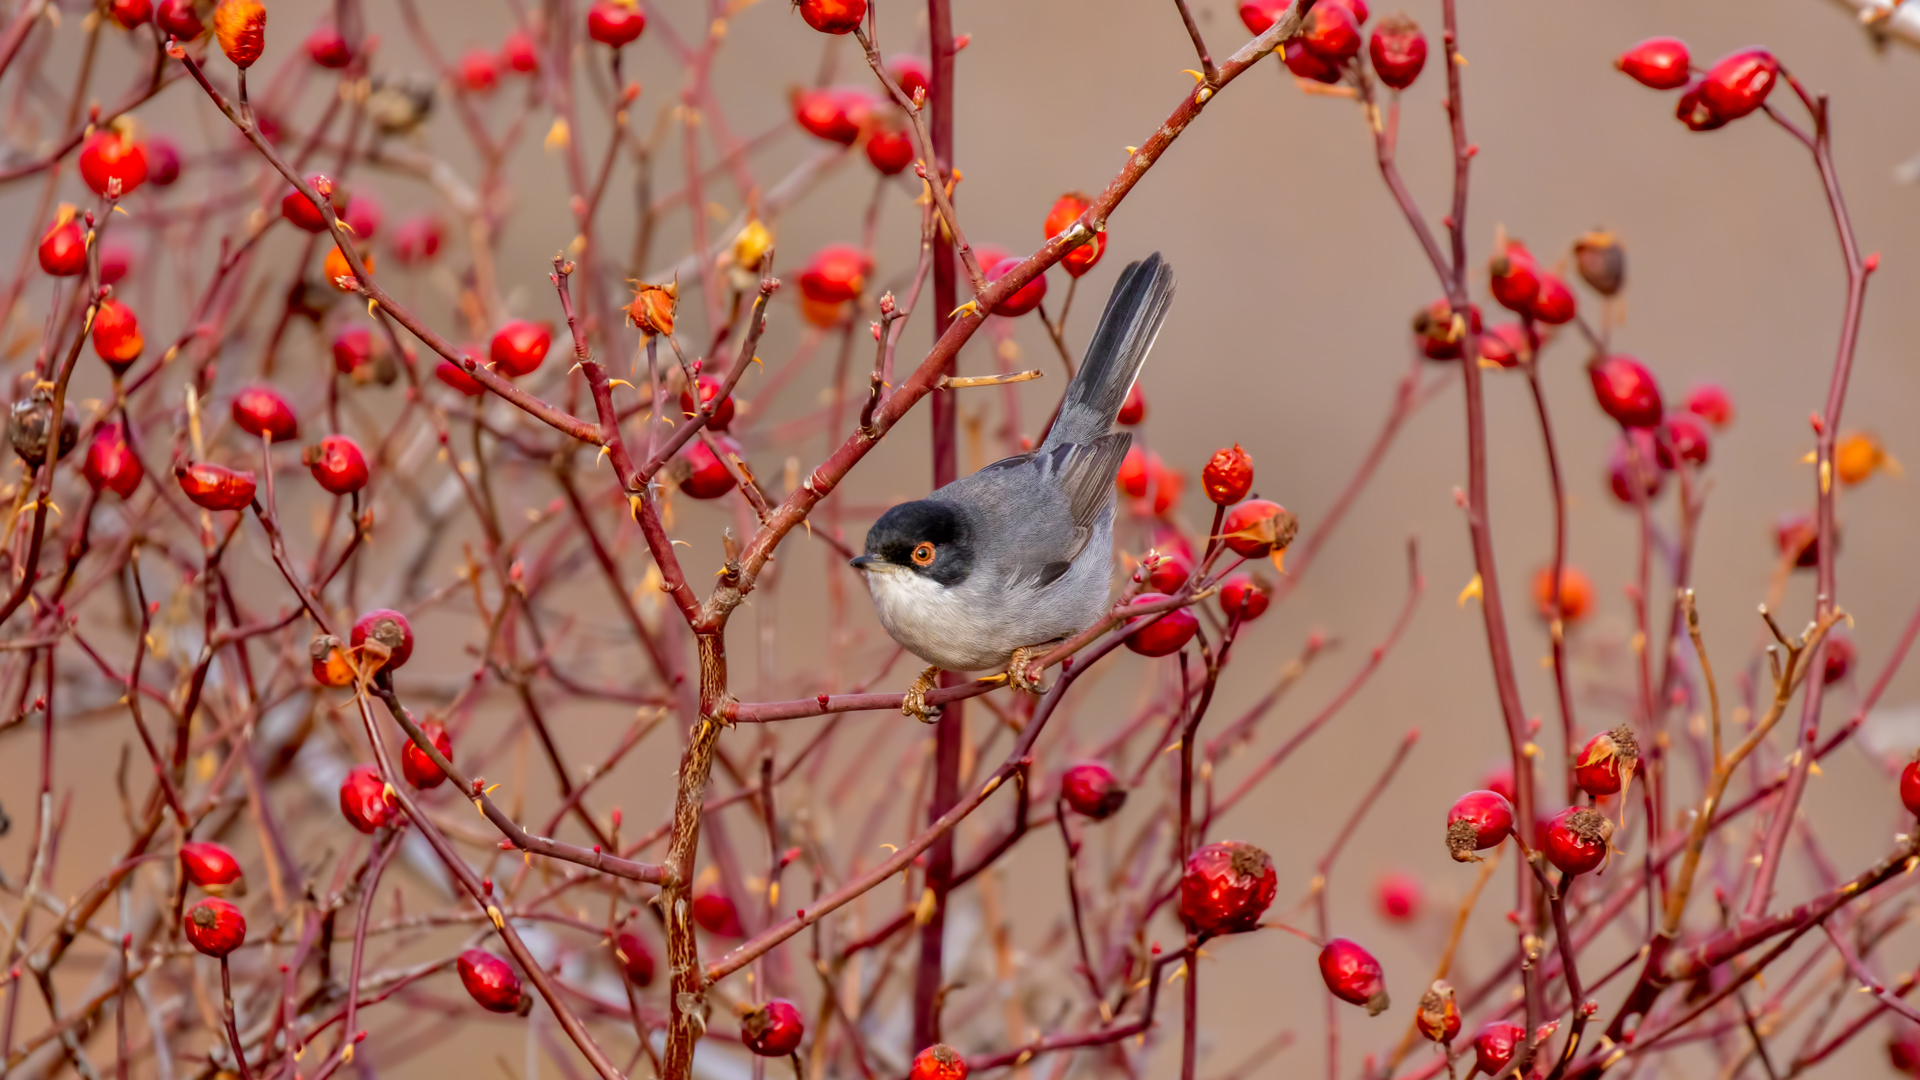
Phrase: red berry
(1504, 344)
(715, 913)
(1026, 297)
(301, 211)
(111, 464)
(456, 376)
(833, 16)
(417, 767)
(1657, 62)
(1066, 210)
(1353, 975)
(707, 475)
(1839, 659)
(1226, 887)
(1740, 83)
(1256, 528)
(1493, 1048)
(364, 799)
(326, 47)
(774, 1029)
(1438, 1018)
(212, 868)
(478, 75)
(1577, 839)
(518, 53)
(214, 927)
(615, 22)
(1441, 331)
(519, 347)
(837, 273)
(1694, 111)
(1260, 15)
(337, 464)
(363, 215)
(1134, 471)
(1478, 821)
(352, 348)
(1092, 790)
(1627, 391)
(1399, 897)
(215, 487)
(938, 1062)
(491, 983)
(1607, 762)
(329, 662)
(1576, 593)
(1134, 409)
(1554, 304)
(1167, 636)
(1244, 597)
(417, 240)
(1357, 8)
(1331, 33)
(636, 960)
(116, 261)
(1307, 64)
(1602, 262)
(1514, 278)
(112, 163)
(835, 114)
(261, 411)
(178, 18)
(1228, 476)
(1643, 464)
(890, 148)
(913, 73)
(1398, 50)
(709, 387)
(63, 251)
(385, 636)
(1170, 571)
(1797, 534)
(1499, 780)
(1167, 486)
(1910, 787)
(1711, 403)
(1683, 437)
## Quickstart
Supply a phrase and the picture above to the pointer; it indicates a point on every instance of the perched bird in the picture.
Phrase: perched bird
(1020, 554)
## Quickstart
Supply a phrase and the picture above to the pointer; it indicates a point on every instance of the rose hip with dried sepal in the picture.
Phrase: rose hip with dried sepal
(1091, 790)
(111, 464)
(214, 927)
(1643, 465)
(330, 662)
(212, 868)
(1514, 278)
(1739, 83)
(519, 347)
(1244, 597)
(713, 910)
(707, 476)
(1066, 210)
(1331, 33)
(615, 22)
(1441, 332)
(417, 767)
(215, 487)
(1399, 897)
(1576, 593)
(1478, 821)
(938, 1062)
(833, 16)
(1710, 402)
(709, 387)
(491, 983)
(1228, 476)
(1353, 975)
(1134, 409)
(1398, 50)
(1257, 528)
(1606, 764)
(1226, 887)
(1602, 262)
(364, 801)
(113, 162)
(1554, 303)
(774, 1029)
(1168, 635)
(1504, 344)
(1660, 63)
(63, 250)
(635, 959)
(1626, 390)
(385, 637)
(1438, 1017)
(1577, 839)
(1494, 1046)
(1023, 299)
(1838, 662)
(261, 411)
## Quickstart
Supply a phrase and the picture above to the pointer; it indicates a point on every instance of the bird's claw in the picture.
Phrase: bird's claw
(1017, 676)
(915, 702)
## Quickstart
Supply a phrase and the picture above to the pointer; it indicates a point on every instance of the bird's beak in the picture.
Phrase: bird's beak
(865, 562)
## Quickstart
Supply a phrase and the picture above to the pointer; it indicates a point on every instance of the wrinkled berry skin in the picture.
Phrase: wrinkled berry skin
(1660, 63)
(939, 1061)
(636, 960)
(1478, 821)
(774, 1029)
(212, 868)
(1092, 790)
(214, 927)
(491, 983)
(1353, 975)
(1167, 636)
(1627, 391)
(1576, 841)
(363, 799)
(28, 423)
(390, 629)
(417, 767)
(1493, 1048)
(1227, 887)
(1228, 476)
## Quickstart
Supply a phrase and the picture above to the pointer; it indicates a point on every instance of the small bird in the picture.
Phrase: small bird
(1020, 554)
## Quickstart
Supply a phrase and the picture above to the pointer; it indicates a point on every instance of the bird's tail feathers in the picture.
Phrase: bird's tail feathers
(1127, 330)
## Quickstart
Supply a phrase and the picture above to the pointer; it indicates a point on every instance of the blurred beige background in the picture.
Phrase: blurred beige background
(1297, 280)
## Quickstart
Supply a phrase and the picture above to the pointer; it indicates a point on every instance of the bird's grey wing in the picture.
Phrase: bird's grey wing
(1042, 507)
(1084, 474)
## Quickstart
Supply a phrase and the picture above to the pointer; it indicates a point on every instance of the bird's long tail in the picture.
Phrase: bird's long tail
(1127, 328)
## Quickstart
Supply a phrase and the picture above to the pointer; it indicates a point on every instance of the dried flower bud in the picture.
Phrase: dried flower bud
(653, 306)
(241, 26)
(1602, 262)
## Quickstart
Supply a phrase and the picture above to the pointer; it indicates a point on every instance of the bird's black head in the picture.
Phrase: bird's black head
(929, 538)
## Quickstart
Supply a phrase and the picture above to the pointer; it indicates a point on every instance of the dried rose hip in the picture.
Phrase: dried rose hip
(386, 636)
(1226, 887)
(1602, 262)
(1438, 1018)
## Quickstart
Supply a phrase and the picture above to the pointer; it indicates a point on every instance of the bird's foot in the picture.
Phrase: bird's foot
(915, 704)
(1017, 676)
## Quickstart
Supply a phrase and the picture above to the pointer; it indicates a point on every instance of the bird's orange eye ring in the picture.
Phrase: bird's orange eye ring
(923, 555)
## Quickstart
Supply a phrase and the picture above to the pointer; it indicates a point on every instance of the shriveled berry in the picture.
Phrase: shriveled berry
(417, 767)
(1478, 821)
(1353, 975)
(1331, 33)
(30, 424)
(1398, 50)
(1257, 528)
(713, 910)
(112, 162)
(1226, 887)
(1711, 403)
(636, 960)
(1740, 83)
(615, 22)
(835, 114)
(1607, 762)
(1602, 262)
(1021, 300)
(938, 1062)
(1092, 790)
(1307, 64)
(1576, 593)
(1134, 409)
(707, 476)
(1577, 839)
(1166, 636)
(1399, 897)
(215, 487)
(330, 662)
(1066, 210)
(262, 412)
(1514, 278)
(774, 1029)
(519, 347)
(1657, 62)
(212, 868)
(241, 28)
(364, 800)
(1493, 1047)
(385, 637)
(1441, 331)
(491, 983)
(1228, 476)
(1244, 597)
(837, 272)
(1838, 663)
(1626, 390)
(63, 250)
(111, 464)
(214, 927)
(1438, 1018)
(833, 16)
(1639, 471)
(710, 387)
(1554, 303)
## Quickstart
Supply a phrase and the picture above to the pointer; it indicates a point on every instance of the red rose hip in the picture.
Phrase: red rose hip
(1244, 597)
(1576, 840)
(491, 983)
(709, 387)
(1091, 790)
(364, 801)
(636, 960)
(774, 1029)
(301, 211)
(1910, 786)
(1607, 762)
(214, 927)
(336, 464)
(262, 412)
(1398, 50)
(1257, 528)
(838, 272)
(63, 251)
(1228, 476)
(1514, 279)
(1021, 300)
(112, 163)
(384, 635)
(1227, 887)
(1134, 409)
(1331, 33)
(1168, 635)
(713, 910)
(1493, 1047)
(212, 868)
(116, 335)
(1627, 391)
(833, 16)
(111, 464)
(215, 487)
(707, 476)
(1353, 975)
(1399, 897)
(1478, 821)
(1066, 210)
(1554, 303)
(417, 767)
(519, 347)
(1740, 83)
(1711, 403)
(615, 22)
(938, 1062)
(1657, 62)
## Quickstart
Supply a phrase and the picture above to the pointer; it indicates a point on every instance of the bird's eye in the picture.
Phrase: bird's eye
(923, 555)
